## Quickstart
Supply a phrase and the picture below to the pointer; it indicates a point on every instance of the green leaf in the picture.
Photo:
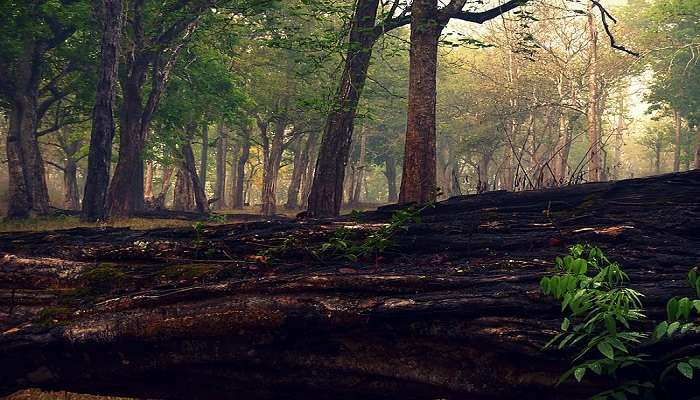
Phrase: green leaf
(673, 328)
(685, 369)
(579, 373)
(695, 362)
(606, 350)
(595, 367)
(565, 324)
(660, 330)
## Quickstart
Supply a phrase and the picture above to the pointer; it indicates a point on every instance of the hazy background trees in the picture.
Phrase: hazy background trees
(224, 104)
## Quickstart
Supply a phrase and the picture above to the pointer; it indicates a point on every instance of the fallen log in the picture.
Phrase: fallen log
(451, 310)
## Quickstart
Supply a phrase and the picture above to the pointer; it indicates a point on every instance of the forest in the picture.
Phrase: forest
(350, 199)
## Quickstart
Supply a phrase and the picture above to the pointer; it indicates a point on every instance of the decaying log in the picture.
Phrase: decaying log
(452, 310)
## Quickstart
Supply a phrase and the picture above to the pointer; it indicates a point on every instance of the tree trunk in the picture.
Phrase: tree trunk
(155, 324)
(678, 143)
(221, 148)
(360, 167)
(390, 173)
(125, 194)
(297, 172)
(325, 199)
(148, 181)
(594, 161)
(233, 172)
(418, 181)
(561, 149)
(102, 133)
(272, 168)
(165, 186)
(200, 197)
(71, 194)
(183, 199)
(483, 174)
(238, 195)
(309, 164)
(204, 162)
(27, 191)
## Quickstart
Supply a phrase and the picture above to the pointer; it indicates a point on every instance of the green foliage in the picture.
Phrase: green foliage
(343, 245)
(349, 244)
(602, 323)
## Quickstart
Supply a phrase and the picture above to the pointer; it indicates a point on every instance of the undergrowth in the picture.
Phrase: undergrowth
(604, 324)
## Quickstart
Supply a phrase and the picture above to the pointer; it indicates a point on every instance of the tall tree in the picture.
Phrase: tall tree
(100, 155)
(418, 180)
(30, 34)
(326, 196)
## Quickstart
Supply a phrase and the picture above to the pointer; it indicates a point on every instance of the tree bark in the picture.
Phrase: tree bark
(148, 181)
(27, 191)
(452, 310)
(594, 161)
(418, 181)
(102, 133)
(677, 141)
(360, 167)
(272, 167)
(298, 166)
(201, 204)
(183, 199)
(204, 162)
(309, 164)
(221, 149)
(390, 173)
(325, 199)
(238, 195)
(71, 194)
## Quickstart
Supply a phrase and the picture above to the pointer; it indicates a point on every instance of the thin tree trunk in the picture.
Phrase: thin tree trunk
(297, 172)
(238, 196)
(594, 161)
(233, 172)
(204, 162)
(200, 198)
(327, 190)
(418, 181)
(271, 171)
(390, 173)
(677, 141)
(221, 148)
(71, 194)
(309, 164)
(360, 167)
(148, 181)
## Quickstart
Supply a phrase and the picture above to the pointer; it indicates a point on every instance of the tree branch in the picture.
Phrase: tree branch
(483, 16)
(604, 15)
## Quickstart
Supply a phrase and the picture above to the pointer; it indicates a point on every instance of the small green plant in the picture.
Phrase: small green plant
(198, 228)
(343, 242)
(602, 323)
(349, 243)
(217, 218)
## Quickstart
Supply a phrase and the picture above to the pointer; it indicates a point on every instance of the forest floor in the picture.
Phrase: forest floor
(260, 309)
(229, 216)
